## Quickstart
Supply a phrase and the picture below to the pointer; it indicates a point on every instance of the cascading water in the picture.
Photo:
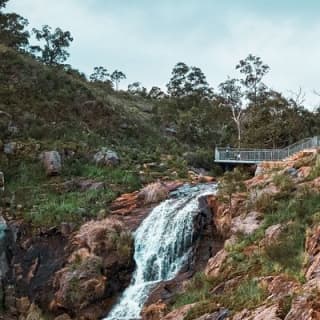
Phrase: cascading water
(163, 244)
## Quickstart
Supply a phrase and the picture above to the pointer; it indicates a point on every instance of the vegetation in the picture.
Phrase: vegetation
(251, 258)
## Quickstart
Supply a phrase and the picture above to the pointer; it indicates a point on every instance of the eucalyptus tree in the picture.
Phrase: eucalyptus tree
(231, 93)
(188, 82)
(253, 69)
(116, 77)
(100, 74)
(12, 29)
(54, 50)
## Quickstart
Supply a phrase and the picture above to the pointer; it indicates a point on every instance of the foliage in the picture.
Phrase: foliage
(253, 69)
(137, 89)
(55, 43)
(116, 77)
(12, 29)
(284, 182)
(188, 82)
(288, 249)
(197, 289)
(100, 74)
(232, 182)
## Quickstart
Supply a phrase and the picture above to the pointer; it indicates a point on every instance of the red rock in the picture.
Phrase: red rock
(246, 224)
(154, 311)
(279, 286)
(271, 234)
(179, 314)
(214, 264)
(262, 313)
(304, 307)
(312, 245)
(304, 172)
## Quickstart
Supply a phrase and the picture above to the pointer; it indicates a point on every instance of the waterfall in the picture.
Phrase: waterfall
(163, 244)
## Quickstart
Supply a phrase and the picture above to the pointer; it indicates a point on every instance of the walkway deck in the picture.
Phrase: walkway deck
(236, 155)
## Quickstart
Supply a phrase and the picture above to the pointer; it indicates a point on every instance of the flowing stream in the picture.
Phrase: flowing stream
(163, 244)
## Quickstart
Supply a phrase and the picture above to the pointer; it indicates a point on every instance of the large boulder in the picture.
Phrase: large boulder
(52, 162)
(98, 269)
(215, 263)
(106, 157)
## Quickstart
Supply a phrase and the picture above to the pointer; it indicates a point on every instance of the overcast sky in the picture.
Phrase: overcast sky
(146, 38)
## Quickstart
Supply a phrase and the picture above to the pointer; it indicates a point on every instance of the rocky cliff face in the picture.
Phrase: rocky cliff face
(76, 274)
(256, 255)
(268, 267)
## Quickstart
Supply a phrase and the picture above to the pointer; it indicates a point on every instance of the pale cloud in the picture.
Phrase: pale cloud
(145, 39)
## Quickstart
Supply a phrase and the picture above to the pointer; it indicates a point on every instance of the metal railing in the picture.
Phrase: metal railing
(244, 155)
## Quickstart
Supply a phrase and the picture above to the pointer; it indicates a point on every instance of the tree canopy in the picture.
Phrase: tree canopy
(55, 44)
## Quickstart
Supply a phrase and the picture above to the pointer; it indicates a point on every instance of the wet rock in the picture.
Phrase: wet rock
(106, 157)
(35, 261)
(52, 162)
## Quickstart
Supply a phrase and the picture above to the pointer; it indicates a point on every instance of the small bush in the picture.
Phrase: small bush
(197, 290)
(232, 182)
(288, 249)
(284, 182)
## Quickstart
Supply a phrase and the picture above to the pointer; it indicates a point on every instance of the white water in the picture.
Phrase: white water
(163, 243)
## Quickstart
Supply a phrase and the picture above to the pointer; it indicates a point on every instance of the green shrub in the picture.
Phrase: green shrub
(288, 249)
(232, 182)
(196, 290)
(284, 182)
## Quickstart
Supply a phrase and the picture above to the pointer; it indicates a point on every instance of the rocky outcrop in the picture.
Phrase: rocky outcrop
(215, 263)
(178, 314)
(52, 162)
(106, 157)
(99, 267)
(263, 313)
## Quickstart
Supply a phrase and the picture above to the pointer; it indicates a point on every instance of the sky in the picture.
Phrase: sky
(146, 38)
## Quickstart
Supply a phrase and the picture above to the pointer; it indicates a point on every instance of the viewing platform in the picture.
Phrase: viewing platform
(252, 156)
